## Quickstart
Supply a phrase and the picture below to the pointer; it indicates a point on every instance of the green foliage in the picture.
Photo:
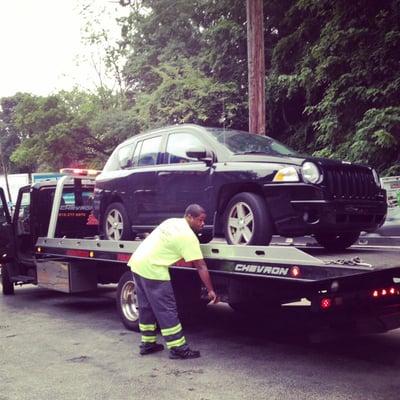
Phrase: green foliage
(186, 61)
(336, 73)
(66, 129)
(185, 95)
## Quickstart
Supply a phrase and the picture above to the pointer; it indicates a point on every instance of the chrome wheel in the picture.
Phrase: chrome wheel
(114, 225)
(240, 224)
(128, 301)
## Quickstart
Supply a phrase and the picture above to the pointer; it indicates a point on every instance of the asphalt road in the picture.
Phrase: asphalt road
(58, 346)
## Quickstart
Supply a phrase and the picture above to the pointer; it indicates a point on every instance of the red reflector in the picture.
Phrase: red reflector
(375, 293)
(392, 290)
(295, 271)
(384, 292)
(325, 303)
(123, 257)
(92, 220)
(77, 253)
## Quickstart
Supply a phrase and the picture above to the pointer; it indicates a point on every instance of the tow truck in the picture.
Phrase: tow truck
(52, 241)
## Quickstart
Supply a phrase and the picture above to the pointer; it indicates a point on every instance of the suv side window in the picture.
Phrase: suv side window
(124, 156)
(178, 144)
(135, 157)
(150, 151)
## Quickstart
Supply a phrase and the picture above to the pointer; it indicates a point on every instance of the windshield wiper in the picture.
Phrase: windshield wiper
(271, 153)
(254, 152)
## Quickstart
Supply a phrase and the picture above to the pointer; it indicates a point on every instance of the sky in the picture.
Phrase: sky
(40, 43)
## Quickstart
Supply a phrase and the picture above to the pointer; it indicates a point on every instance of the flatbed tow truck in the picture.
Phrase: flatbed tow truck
(52, 241)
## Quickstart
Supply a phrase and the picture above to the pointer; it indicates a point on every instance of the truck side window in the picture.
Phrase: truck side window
(69, 200)
(23, 223)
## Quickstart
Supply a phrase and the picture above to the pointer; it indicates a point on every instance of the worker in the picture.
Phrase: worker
(173, 240)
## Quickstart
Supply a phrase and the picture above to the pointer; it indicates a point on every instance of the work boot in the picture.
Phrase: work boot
(179, 353)
(149, 348)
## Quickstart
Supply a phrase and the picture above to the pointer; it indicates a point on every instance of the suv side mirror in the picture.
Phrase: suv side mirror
(201, 154)
(197, 152)
(125, 163)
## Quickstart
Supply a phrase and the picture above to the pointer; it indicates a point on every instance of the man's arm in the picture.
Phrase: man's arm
(202, 270)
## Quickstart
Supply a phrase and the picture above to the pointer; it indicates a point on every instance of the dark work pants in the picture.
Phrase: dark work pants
(157, 305)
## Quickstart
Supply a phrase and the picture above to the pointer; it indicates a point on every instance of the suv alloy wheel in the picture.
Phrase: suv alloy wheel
(247, 220)
(116, 224)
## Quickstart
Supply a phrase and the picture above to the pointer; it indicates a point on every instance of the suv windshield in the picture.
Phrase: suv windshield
(240, 142)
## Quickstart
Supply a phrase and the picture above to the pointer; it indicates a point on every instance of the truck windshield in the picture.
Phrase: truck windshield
(240, 142)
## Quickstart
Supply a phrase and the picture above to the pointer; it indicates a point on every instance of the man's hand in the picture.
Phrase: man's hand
(213, 297)
(202, 269)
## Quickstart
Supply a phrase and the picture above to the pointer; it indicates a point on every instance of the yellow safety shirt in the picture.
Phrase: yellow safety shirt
(171, 241)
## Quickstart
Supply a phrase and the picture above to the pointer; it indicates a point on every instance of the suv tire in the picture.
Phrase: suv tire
(205, 237)
(247, 220)
(340, 241)
(116, 224)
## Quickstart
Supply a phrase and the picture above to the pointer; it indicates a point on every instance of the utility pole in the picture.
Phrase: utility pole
(256, 66)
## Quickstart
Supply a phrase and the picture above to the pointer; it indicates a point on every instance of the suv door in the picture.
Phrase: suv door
(6, 231)
(182, 180)
(140, 183)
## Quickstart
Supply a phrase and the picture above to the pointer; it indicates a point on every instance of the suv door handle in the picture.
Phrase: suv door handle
(163, 173)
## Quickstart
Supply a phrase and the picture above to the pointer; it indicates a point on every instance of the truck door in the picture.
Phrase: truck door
(22, 222)
(6, 231)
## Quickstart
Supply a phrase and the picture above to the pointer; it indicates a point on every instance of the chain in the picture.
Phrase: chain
(356, 261)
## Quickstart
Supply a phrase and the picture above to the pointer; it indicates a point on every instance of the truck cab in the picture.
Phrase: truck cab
(30, 219)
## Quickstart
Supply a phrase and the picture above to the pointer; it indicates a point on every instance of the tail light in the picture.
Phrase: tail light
(385, 292)
(325, 303)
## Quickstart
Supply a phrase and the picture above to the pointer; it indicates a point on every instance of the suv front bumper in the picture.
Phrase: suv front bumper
(296, 215)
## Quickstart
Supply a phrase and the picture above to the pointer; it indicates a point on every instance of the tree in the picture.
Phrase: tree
(196, 43)
(335, 78)
(59, 131)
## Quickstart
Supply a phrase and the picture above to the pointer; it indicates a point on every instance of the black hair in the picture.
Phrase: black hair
(194, 210)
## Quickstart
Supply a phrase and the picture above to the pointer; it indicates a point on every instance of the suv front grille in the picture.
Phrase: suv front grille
(350, 182)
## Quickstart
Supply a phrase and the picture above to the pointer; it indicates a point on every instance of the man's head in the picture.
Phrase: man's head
(195, 216)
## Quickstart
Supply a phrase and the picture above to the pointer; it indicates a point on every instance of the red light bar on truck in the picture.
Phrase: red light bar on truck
(79, 172)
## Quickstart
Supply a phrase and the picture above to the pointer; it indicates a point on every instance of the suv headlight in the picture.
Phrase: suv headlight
(310, 172)
(286, 174)
(376, 178)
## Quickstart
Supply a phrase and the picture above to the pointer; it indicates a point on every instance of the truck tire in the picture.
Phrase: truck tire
(247, 220)
(7, 285)
(127, 304)
(340, 241)
(116, 224)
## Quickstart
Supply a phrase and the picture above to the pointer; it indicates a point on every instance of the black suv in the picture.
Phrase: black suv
(251, 187)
